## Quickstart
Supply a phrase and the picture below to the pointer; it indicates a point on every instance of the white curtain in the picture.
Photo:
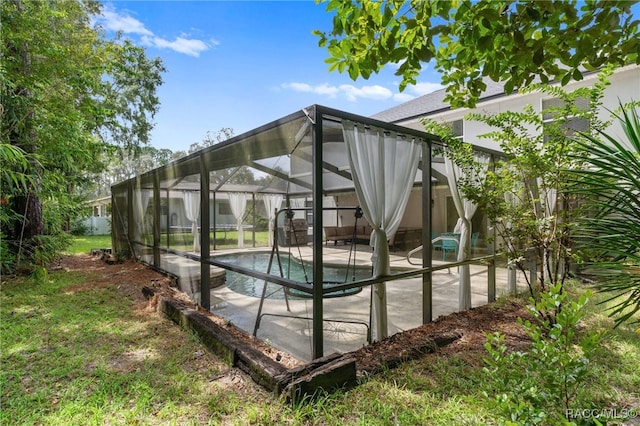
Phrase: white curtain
(238, 202)
(548, 196)
(272, 202)
(298, 203)
(384, 168)
(466, 210)
(192, 210)
(141, 201)
(511, 269)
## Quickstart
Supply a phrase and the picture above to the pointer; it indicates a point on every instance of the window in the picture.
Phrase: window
(224, 208)
(570, 124)
(458, 128)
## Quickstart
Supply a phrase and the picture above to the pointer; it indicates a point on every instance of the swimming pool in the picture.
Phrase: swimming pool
(294, 269)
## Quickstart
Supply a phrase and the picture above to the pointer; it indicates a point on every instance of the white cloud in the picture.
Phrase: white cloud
(403, 97)
(351, 92)
(375, 92)
(424, 88)
(191, 47)
(323, 89)
(113, 20)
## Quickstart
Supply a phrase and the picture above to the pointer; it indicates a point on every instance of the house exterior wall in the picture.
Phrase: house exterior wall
(624, 87)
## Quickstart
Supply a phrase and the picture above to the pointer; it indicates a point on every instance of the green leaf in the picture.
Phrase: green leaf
(508, 86)
(518, 37)
(354, 71)
(538, 56)
(577, 75)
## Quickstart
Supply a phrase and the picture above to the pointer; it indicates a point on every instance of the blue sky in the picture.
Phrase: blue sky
(242, 64)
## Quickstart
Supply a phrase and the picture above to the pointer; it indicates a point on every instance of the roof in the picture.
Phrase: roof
(432, 103)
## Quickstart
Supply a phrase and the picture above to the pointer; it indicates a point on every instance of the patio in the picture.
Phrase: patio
(346, 319)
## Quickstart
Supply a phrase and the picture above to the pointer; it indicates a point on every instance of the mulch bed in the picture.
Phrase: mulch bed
(466, 329)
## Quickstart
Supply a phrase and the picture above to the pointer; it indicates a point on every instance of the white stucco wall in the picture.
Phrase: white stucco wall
(624, 87)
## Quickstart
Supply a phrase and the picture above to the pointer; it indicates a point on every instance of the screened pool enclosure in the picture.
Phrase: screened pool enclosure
(299, 221)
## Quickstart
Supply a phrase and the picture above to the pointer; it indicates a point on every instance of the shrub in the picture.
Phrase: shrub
(542, 383)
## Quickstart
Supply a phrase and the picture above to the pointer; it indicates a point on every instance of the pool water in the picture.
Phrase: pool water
(291, 268)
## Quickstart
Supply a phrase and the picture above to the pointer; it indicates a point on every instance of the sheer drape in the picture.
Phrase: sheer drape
(272, 202)
(548, 197)
(383, 166)
(192, 210)
(466, 209)
(238, 202)
(141, 202)
(511, 200)
(298, 203)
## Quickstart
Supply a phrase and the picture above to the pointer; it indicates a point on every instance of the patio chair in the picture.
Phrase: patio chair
(438, 244)
(449, 243)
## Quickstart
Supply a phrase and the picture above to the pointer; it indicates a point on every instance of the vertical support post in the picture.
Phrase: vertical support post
(115, 235)
(253, 227)
(512, 288)
(318, 338)
(156, 219)
(533, 267)
(205, 238)
(491, 250)
(427, 226)
(168, 218)
(491, 267)
(130, 221)
(214, 220)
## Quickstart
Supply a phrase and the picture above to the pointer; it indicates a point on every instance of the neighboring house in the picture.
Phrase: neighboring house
(624, 87)
(99, 222)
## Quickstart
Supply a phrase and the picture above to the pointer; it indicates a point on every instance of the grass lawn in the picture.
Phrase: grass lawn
(77, 350)
(84, 243)
(184, 241)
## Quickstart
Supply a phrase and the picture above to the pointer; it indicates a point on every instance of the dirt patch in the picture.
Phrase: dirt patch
(130, 277)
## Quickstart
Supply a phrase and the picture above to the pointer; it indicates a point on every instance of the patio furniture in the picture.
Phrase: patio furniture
(437, 244)
(345, 234)
(450, 242)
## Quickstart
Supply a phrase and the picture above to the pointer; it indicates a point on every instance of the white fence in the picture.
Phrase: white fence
(97, 225)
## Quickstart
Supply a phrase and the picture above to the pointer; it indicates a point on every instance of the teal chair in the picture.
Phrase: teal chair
(450, 243)
(438, 244)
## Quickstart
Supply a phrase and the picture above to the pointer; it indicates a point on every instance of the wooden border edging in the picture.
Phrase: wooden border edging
(327, 373)
(298, 384)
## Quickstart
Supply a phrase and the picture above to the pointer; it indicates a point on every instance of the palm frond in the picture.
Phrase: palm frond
(609, 184)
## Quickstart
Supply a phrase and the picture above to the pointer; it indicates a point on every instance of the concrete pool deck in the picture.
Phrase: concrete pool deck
(347, 318)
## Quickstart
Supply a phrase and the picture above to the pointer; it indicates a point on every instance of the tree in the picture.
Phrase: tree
(468, 41)
(236, 175)
(67, 94)
(527, 194)
(123, 164)
(210, 139)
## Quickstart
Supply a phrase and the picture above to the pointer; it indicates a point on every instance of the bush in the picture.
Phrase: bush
(539, 386)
